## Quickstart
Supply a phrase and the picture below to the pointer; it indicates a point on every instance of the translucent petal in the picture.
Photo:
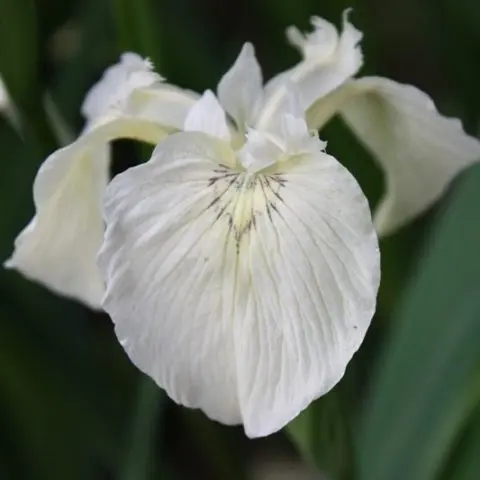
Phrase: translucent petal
(240, 89)
(241, 294)
(207, 116)
(420, 150)
(259, 152)
(329, 60)
(59, 246)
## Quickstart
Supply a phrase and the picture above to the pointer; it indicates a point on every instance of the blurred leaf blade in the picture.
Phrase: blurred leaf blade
(19, 66)
(18, 62)
(139, 456)
(422, 395)
(467, 464)
(137, 29)
(322, 436)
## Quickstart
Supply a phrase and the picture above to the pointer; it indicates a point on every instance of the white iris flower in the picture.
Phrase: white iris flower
(241, 263)
(241, 272)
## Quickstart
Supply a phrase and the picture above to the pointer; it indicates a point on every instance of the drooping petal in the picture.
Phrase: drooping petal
(207, 116)
(59, 246)
(420, 150)
(328, 61)
(241, 294)
(240, 89)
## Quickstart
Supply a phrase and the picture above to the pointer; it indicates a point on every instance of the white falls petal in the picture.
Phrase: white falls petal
(240, 89)
(328, 61)
(241, 294)
(207, 116)
(59, 246)
(170, 288)
(313, 275)
(420, 150)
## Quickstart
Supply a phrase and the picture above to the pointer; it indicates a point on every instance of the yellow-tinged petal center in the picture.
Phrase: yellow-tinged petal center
(240, 198)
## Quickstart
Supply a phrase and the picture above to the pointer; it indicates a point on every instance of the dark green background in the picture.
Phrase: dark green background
(71, 405)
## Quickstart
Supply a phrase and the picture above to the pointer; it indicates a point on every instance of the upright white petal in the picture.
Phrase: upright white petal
(240, 89)
(420, 150)
(329, 59)
(243, 294)
(117, 83)
(207, 116)
(290, 137)
(131, 87)
(320, 44)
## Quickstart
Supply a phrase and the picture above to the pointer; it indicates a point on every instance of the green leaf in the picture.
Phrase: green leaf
(19, 61)
(18, 55)
(137, 27)
(139, 461)
(467, 465)
(321, 435)
(422, 393)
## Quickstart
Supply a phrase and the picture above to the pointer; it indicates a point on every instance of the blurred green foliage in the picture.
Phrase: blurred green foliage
(72, 406)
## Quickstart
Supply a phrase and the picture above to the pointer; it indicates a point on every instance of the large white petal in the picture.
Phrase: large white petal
(240, 89)
(241, 294)
(420, 150)
(312, 266)
(329, 60)
(171, 282)
(58, 248)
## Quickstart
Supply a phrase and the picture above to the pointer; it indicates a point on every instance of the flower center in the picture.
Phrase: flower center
(241, 198)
